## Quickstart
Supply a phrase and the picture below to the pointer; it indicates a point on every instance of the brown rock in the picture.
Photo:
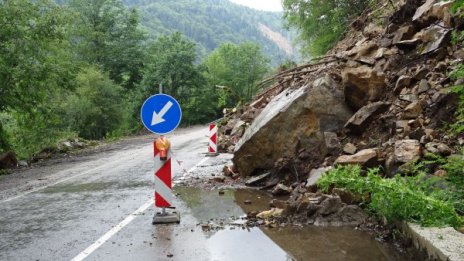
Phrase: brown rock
(407, 151)
(403, 33)
(423, 86)
(438, 148)
(300, 117)
(350, 148)
(8, 160)
(423, 11)
(421, 73)
(330, 205)
(435, 37)
(402, 82)
(408, 44)
(367, 158)
(332, 143)
(412, 111)
(362, 84)
(361, 119)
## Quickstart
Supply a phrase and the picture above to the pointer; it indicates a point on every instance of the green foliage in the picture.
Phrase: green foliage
(96, 107)
(235, 70)
(212, 22)
(458, 6)
(33, 57)
(109, 35)
(170, 61)
(320, 22)
(414, 199)
(457, 126)
(29, 133)
(84, 68)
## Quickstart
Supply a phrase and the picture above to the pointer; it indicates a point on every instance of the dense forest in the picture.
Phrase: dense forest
(82, 68)
(212, 22)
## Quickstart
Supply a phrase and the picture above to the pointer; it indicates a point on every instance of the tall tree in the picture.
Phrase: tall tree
(171, 62)
(108, 34)
(34, 54)
(321, 22)
(236, 69)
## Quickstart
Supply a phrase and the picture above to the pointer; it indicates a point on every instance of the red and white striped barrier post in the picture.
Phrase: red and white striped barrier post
(212, 144)
(163, 182)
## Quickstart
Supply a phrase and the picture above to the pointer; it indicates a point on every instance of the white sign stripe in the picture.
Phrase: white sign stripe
(160, 163)
(213, 131)
(164, 191)
(122, 224)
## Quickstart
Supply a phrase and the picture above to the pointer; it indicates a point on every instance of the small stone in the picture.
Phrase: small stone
(367, 158)
(407, 150)
(438, 148)
(169, 255)
(421, 73)
(409, 97)
(315, 175)
(221, 192)
(350, 148)
(423, 86)
(277, 203)
(402, 82)
(412, 111)
(332, 142)
(247, 202)
(440, 173)
(281, 189)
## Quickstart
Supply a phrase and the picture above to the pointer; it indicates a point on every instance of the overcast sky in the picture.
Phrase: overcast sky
(266, 5)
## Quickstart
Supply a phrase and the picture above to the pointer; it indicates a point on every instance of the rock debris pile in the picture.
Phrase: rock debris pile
(379, 98)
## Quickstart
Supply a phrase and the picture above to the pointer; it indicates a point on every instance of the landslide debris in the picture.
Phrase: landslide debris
(379, 98)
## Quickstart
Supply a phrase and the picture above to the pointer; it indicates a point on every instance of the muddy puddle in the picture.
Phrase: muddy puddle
(228, 240)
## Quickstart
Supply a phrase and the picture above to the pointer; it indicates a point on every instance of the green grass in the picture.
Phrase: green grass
(419, 199)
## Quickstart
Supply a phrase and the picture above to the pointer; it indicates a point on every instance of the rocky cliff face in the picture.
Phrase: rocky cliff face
(378, 98)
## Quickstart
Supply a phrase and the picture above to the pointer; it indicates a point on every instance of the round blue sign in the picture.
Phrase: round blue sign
(161, 114)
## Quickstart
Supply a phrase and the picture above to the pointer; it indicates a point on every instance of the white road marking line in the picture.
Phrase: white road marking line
(89, 250)
(112, 232)
(196, 166)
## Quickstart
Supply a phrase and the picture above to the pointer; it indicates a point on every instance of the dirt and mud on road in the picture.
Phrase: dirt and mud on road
(98, 205)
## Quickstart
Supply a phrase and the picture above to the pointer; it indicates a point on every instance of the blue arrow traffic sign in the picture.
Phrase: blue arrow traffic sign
(161, 114)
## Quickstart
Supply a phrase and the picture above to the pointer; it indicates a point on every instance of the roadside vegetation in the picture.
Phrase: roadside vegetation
(414, 196)
(457, 127)
(321, 24)
(83, 69)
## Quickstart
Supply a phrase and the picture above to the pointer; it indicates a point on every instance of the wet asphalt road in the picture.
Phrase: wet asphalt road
(100, 207)
(59, 221)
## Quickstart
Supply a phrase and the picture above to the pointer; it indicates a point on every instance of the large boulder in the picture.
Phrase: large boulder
(293, 120)
(362, 85)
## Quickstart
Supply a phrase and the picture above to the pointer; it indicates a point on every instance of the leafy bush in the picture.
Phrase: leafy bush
(96, 108)
(414, 199)
(457, 127)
